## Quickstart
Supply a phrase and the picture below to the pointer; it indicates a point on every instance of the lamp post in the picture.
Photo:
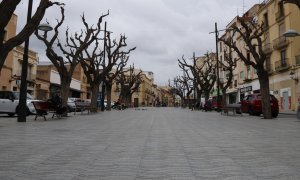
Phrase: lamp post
(22, 107)
(293, 75)
(103, 77)
(216, 32)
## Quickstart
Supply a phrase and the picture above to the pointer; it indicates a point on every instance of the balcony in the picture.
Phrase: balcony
(279, 16)
(280, 42)
(297, 59)
(30, 76)
(268, 68)
(282, 65)
(267, 48)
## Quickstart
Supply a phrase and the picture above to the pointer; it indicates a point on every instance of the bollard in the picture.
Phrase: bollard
(298, 111)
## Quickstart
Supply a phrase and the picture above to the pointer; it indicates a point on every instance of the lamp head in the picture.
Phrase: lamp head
(45, 27)
(291, 33)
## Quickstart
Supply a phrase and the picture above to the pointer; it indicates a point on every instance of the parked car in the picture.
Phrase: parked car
(211, 104)
(71, 104)
(252, 104)
(9, 101)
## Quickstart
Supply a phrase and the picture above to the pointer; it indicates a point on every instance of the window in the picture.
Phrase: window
(283, 57)
(248, 72)
(266, 21)
(242, 75)
(280, 9)
(281, 29)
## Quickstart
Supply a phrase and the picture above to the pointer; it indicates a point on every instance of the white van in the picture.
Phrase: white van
(9, 101)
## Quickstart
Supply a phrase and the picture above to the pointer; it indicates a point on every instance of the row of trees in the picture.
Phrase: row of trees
(252, 39)
(102, 57)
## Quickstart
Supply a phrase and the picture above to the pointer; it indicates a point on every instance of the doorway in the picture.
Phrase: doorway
(285, 102)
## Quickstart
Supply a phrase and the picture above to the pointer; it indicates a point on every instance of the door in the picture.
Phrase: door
(136, 102)
(285, 102)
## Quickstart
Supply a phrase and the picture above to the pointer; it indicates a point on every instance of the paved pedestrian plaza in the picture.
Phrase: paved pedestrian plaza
(157, 143)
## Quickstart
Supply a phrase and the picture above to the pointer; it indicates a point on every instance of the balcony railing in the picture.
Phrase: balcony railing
(297, 58)
(268, 67)
(267, 48)
(280, 42)
(282, 65)
(30, 76)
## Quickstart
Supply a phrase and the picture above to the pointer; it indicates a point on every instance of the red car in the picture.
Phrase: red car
(252, 104)
(211, 104)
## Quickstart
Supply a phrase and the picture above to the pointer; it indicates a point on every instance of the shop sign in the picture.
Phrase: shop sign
(246, 89)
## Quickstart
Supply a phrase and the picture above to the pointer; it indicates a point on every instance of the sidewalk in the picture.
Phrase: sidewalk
(288, 112)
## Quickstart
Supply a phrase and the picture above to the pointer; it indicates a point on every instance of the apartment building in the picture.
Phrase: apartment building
(48, 82)
(147, 95)
(10, 75)
(283, 55)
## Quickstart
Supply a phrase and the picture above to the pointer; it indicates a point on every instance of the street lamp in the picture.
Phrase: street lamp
(103, 77)
(293, 74)
(291, 33)
(22, 107)
(217, 59)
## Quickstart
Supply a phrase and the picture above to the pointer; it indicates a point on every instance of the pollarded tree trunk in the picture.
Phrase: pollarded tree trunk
(95, 90)
(224, 103)
(265, 93)
(108, 95)
(65, 89)
(206, 95)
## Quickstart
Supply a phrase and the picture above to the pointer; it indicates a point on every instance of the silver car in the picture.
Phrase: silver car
(9, 101)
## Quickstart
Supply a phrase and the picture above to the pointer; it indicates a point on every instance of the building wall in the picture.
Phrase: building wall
(6, 72)
(280, 80)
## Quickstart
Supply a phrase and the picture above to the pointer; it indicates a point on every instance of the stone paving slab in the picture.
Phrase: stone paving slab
(157, 143)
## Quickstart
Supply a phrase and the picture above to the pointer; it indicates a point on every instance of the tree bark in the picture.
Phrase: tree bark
(265, 93)
(65, 89)
(95, 90)
(224, 103)
(206, 95)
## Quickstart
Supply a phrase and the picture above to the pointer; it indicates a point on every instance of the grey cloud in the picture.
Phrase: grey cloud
(162, 30)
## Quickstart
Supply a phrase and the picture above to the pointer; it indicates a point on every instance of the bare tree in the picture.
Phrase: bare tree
(110, 77)
(67, 62)
(187, 86)
(7, 9)
(203, 72)
(129, 80)
(251, 34)
(228, 66)
(116, 57)
(97, 70)
(178, 89)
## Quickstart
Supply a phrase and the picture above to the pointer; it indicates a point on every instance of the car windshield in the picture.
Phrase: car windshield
(17, 95)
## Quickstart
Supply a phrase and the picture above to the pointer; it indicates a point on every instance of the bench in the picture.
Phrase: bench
(43, 108)
(234, 108)
(82, 106)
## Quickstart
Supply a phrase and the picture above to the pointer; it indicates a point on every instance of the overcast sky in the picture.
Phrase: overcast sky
(162, 30)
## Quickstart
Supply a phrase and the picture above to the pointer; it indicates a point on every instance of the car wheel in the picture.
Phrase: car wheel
(250, 111)
(274, 114)
(11, 114)
(257, 114)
